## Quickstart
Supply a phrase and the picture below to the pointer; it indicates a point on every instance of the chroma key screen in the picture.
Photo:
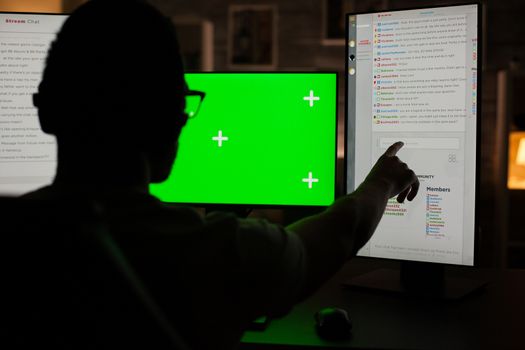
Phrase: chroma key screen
(258, 139)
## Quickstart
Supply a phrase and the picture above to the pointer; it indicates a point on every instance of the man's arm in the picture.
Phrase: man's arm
(335, 235)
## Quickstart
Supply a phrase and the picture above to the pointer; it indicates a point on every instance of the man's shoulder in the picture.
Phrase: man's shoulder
(124, 209)
(140, 212)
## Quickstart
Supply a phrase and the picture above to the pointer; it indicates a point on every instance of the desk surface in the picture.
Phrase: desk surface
(491, 318)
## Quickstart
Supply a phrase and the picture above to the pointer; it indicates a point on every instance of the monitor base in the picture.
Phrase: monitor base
(259, 324)
(241, 211)
(417, 279)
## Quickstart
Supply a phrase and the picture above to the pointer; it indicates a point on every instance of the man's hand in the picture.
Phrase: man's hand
(398, 177)
(335, 235)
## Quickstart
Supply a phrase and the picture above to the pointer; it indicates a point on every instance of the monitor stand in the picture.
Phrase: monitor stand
(417, 279)
(241, 211)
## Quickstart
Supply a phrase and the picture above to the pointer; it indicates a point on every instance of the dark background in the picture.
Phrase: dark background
(300, 46)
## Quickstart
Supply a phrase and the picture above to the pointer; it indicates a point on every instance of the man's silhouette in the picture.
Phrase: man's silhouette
(113, 94)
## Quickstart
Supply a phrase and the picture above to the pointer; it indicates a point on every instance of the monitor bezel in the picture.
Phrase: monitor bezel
(239, 206)
(477, 228)
(37, 13)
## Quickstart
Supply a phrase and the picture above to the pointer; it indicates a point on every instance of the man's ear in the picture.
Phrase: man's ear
(36, 99)
(47, 124)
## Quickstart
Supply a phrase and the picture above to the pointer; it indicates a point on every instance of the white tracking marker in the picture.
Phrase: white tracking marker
(219, 138)
(311, 98)
(310, 179)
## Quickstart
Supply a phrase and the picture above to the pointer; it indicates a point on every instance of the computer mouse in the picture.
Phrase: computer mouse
(333, 323)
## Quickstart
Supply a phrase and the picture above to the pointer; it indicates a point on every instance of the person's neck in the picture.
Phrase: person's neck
(101, 170)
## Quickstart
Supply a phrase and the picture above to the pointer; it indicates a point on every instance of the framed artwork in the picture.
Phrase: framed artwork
(334, 17)
(252, 37)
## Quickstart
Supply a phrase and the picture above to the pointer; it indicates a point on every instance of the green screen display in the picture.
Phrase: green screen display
(258, 139)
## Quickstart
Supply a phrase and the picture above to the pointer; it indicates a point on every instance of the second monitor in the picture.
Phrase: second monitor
(413, 77)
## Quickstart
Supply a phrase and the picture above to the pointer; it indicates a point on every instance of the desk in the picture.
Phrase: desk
(491, 318)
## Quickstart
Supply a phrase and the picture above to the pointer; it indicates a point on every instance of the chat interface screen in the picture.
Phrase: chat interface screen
(412, 77)
(258, 138)
(27, 155)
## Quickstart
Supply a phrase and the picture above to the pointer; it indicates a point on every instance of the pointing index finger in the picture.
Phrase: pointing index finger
(393, 149)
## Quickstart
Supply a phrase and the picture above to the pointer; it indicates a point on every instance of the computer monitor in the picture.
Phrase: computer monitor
(413, 76)
(259, 138)
(266, 138)
(27, 155)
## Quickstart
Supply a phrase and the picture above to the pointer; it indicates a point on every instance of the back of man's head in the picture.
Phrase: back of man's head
(114, 74)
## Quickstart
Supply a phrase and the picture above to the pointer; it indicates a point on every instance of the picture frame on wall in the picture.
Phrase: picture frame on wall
(334, 11)
(252, 37)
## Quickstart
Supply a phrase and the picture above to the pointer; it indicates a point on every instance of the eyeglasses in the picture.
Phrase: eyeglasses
(193, 102)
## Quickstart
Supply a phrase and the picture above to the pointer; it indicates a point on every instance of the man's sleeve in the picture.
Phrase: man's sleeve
(273, 267)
